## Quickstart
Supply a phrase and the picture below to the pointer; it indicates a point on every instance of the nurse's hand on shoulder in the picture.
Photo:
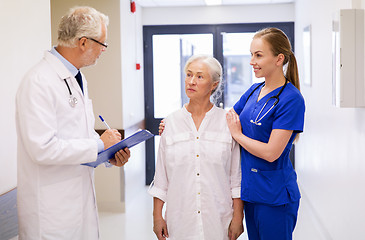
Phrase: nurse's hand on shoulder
(161, 127)
(234, 123)
(110, 137)
(121, 157)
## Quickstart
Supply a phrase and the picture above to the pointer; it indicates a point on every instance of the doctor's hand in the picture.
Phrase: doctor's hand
(234, 123)
(121, 157)
(110, 137)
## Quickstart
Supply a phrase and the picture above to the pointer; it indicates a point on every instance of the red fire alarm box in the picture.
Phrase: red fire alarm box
(133, 6)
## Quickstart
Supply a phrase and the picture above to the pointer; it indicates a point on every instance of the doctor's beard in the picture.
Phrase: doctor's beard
(89, 58)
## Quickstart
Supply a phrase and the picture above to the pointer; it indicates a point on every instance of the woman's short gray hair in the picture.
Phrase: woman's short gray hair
(80, 22)
(215, 71)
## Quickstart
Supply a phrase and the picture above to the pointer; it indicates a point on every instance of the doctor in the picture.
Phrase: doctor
(55, 127)
(265, 122)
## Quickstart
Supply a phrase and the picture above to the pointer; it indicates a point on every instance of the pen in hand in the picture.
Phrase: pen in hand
(102, 119)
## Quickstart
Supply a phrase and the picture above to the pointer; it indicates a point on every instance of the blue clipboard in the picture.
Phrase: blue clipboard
(134, 139)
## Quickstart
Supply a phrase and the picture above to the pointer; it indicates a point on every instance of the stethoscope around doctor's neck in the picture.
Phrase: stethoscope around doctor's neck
(276, 97)
(72, 99)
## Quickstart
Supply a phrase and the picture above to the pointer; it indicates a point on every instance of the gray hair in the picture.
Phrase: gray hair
(80, 22)
(215, 71)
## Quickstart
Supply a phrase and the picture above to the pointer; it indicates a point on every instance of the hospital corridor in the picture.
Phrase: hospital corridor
(264, 101)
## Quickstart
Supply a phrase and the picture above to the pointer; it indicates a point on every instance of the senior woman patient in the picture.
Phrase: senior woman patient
(198, 172)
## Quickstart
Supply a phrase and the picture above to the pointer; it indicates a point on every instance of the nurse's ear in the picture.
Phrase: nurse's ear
(280, 59)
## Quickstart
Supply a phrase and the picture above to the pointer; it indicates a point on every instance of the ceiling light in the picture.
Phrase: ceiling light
(213, 2)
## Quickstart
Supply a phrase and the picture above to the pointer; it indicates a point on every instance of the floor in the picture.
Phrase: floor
(135, 224)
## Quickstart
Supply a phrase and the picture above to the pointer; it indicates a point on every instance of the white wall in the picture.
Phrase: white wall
(26, 34)
(218, 14)
(131, 53)
(330, 154)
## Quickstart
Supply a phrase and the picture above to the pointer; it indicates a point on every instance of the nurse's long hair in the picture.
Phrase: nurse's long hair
(280, 43)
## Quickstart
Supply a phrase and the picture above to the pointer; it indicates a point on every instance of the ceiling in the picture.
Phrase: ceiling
(182, 3)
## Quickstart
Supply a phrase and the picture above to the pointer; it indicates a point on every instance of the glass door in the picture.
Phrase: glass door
(239, 75)
(166, 50)
(170, 53)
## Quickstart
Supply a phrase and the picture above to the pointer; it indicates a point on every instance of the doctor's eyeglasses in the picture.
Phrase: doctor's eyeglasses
(92, 39)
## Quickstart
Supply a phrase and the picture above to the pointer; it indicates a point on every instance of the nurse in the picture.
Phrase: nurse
(265, 122)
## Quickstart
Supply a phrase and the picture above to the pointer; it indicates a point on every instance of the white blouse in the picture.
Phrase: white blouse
(197, 175)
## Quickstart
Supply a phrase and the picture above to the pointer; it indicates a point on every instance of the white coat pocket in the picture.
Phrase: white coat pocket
(61, 204)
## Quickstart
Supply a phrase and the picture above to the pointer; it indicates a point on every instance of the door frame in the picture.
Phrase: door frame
(215, 29)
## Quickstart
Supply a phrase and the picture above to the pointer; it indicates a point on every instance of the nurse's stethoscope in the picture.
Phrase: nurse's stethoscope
(276, 97)
(72, 99)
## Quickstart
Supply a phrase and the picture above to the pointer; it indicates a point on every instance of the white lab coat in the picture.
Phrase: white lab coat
(56, 195)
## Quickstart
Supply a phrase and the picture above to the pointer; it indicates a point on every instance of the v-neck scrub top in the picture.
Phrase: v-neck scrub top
(197, 175)
(273, 183)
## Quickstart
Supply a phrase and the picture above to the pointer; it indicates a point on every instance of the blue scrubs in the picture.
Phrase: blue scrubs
(268, 185)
